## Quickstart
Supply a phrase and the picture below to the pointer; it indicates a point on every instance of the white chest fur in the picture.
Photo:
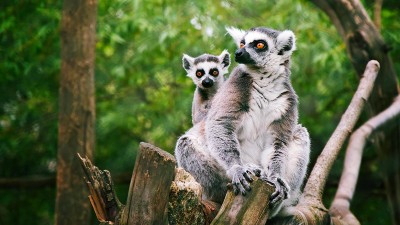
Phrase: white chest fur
(266, 105)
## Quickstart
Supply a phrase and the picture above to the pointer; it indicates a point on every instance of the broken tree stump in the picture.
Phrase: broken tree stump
(251, 209)
(102, 193)
(152, 195)
(184, 205)
(150, 186)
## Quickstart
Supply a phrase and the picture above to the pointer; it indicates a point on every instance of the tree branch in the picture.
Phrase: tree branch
(316, 182)
(341, 203)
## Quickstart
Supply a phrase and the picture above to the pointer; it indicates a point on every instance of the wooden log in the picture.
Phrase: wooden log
(150, 186)
(251, 209)
(102, 192)
(185, 207)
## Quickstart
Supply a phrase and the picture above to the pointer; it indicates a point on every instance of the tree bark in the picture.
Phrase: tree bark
(185, 206)
(364, 42)
(103, 198)
(76, 109)
(150, 187)
(251, 209)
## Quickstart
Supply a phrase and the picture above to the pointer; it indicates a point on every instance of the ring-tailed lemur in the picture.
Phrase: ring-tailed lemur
(252, 127)
(207, 72)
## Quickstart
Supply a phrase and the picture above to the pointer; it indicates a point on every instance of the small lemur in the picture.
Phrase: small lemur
(207, 72)
(252, 127)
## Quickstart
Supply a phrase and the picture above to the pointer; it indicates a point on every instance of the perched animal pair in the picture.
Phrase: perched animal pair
(252, 125)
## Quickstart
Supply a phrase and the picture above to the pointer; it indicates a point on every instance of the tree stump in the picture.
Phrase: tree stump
(102, 193)
(185, 207)
(251, 209)
(150, 186)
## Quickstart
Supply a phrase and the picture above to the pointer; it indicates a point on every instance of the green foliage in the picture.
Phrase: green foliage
(142, 93)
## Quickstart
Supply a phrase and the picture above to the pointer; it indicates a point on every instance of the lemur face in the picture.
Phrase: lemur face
(263, 47)
(207, 70)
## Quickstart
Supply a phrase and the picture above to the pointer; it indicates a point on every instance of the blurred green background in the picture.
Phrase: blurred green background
(143, 94)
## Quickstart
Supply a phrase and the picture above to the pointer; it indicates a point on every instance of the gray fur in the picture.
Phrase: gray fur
(203, 95)
(252, 126)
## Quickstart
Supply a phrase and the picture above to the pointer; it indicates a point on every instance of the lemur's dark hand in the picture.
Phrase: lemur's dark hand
(281, 190)
(241, 177)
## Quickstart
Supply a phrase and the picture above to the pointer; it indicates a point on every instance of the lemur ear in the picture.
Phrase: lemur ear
(225, 59)
(237, 34)
(286, 42)
(187, 62)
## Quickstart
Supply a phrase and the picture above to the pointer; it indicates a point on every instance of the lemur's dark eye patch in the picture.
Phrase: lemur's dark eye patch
(200, 73)
(214, 72)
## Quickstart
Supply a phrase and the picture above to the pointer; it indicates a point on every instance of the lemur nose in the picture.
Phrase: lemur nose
(238, 53)
(207, 83)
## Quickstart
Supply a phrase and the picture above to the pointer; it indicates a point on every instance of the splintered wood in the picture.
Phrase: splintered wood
(102, 194)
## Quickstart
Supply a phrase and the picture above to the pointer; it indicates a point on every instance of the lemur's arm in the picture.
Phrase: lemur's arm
(227, 108)
(223, 144)
(276, 166)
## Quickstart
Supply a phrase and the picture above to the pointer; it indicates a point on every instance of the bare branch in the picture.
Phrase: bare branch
(341, 203)
(316, 182)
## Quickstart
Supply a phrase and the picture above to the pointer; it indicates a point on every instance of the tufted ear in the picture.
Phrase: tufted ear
(237, 34)
(187, 62)
(225, 59)
(286, 42)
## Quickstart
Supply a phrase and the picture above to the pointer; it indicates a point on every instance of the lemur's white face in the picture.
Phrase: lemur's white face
(207, 71)
(263, 48)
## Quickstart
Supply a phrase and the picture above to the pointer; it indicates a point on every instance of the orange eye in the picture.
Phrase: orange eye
(199, 74)
(260, 45)
(241, 45)
(215, 73)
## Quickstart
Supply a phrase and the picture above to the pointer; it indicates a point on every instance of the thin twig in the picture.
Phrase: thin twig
(344, 194)
(316, 182)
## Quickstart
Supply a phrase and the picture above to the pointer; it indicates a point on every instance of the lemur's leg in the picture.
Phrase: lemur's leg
(298, 158)
(192, 155)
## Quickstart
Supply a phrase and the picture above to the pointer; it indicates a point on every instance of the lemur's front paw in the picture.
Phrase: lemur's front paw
(281, 190)
(241, 177)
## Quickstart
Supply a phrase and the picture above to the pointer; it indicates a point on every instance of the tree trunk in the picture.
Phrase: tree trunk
(76, 109)
(150, 187)
(364, 43)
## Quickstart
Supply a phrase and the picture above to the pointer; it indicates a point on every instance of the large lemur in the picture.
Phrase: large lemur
(252, 127)
(207, 72)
